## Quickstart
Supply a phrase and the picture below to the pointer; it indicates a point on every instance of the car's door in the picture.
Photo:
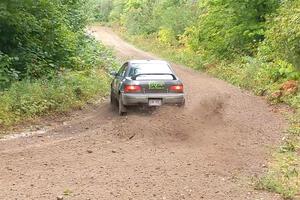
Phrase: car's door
(119, 78)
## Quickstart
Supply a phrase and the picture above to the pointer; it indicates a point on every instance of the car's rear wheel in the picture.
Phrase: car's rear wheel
(122, 108)
(112, 98)
(182, 104)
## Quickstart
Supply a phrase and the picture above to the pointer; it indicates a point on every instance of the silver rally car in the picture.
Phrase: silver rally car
(146, 82)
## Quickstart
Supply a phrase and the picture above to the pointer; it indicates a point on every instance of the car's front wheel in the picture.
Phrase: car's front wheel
(122, 108)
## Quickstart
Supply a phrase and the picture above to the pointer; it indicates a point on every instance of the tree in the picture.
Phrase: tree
(41, 37)
(226, 27)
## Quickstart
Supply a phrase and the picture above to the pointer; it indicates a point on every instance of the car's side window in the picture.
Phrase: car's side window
(122, 71)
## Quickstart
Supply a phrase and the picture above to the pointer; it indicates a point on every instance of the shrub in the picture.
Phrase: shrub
(283, 38)
(29, 99)
(7, 73)
(166, 36)
(137, 17)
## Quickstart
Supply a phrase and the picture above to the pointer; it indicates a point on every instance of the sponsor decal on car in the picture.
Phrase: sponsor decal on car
(154, 85)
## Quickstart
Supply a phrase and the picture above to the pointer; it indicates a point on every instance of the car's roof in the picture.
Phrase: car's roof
(147, 61)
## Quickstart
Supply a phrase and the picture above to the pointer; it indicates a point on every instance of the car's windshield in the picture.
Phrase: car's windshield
(150, 68)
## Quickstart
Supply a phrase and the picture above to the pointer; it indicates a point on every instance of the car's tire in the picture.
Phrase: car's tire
(112, 98)
(182, 104)
(122, 109)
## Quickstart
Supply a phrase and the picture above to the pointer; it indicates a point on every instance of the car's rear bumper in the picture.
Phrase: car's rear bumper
(168, 98)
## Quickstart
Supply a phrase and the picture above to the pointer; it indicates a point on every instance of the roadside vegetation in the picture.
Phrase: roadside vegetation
(48, 63)
(251, 44)
(283, 175)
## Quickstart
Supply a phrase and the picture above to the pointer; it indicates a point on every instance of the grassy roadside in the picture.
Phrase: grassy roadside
(68, 89)
(283, 174)
(27, 100)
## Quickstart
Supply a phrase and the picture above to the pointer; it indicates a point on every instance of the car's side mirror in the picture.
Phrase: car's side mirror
(113, 73)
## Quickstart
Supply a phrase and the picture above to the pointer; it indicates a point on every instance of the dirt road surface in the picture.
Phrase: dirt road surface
(211, 149)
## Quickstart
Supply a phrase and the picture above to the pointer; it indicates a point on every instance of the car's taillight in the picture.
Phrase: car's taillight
(132, 88)
(176, 88)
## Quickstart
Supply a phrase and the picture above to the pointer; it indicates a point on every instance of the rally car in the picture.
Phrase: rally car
(146, 82)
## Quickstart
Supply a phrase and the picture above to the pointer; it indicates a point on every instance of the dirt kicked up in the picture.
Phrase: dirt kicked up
(211, 149)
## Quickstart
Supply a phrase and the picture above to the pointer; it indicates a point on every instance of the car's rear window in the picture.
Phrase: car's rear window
(146, 68)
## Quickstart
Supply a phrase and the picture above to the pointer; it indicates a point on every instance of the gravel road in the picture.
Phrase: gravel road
(210, 150)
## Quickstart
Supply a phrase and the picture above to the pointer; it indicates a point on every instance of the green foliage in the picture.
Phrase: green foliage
(283, 36)
(179, 55)
(143, 17)
(166, 36)
(282, 69)
(117, 10)
(227, 27)
(283, 177)
(7, 74)
(29, 99)
(99, 10)
(47, 61)
(41, 37)
(175, 16)
(137, 17)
